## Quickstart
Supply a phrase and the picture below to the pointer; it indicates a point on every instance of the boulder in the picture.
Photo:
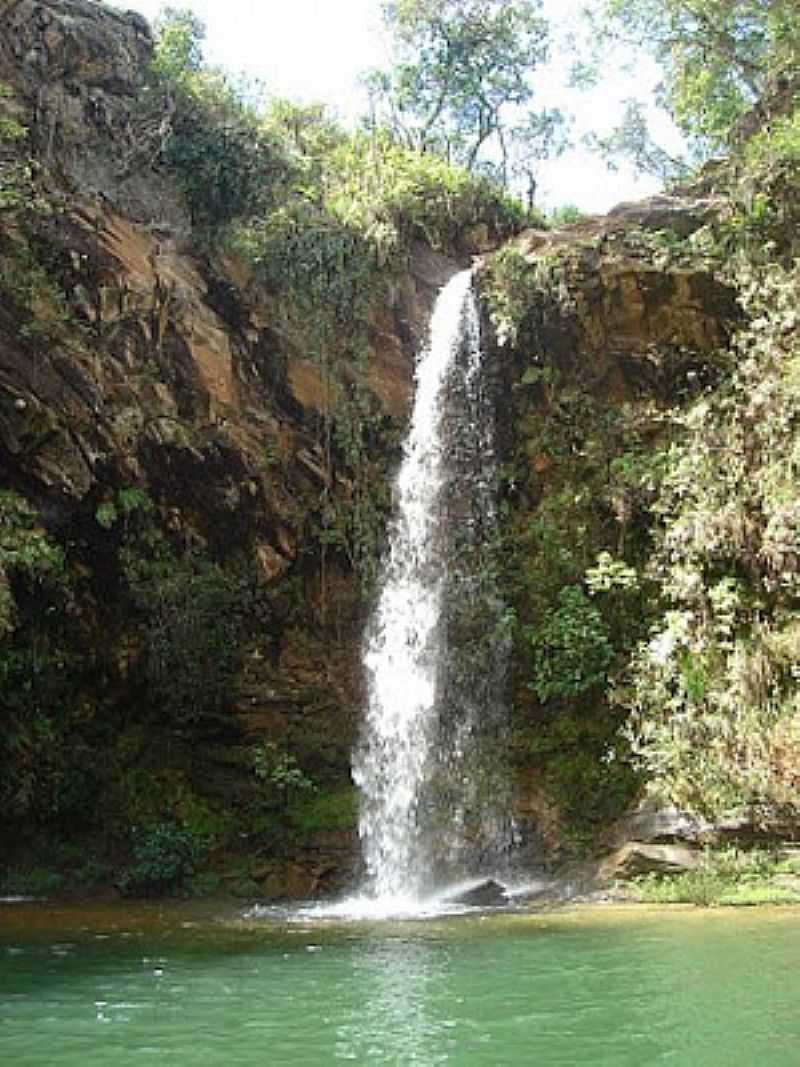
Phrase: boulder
(659, 824)
(638, 858)
(486, 894)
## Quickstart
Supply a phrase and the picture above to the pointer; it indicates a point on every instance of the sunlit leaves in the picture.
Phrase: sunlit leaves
(460, 68)
(719, 57)
(713, 695)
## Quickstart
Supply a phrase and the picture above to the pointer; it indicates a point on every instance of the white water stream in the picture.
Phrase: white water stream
(433, 652)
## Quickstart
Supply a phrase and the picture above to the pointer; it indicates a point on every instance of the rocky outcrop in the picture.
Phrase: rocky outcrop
(134, 363)
(637, 859)
(623, 301)
(602, 329)
(77, 70)
(486, 894)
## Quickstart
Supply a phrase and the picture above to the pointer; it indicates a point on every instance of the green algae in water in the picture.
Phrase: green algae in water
(617, 987)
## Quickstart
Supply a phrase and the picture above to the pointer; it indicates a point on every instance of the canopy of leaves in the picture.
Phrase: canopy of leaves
(719, 57)
(461, 67)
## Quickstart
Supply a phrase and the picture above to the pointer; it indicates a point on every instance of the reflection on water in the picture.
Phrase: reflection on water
(394, 983)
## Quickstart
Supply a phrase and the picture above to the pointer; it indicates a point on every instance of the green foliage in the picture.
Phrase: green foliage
(35, 772)
(16, 173)
(778, 143)
(226, 161)
(178, 53)
(42, 310)
(507, 287)
(25, 547)
(315, 209)
(571, 649)
(325, 812)
(566, 215)
(631, 141)
(459, 68)
(203, 884)
(329, 246)
(694, 541)
(713, 694)
(718, 56)
(324, 266)
(93, 872)
(582, 765)
(165, 856)
(31, 881)
(726, 878)
(279, 773)
(194, 612)
(611, 574)
(49, 770)
(394, 194)
(125, 502)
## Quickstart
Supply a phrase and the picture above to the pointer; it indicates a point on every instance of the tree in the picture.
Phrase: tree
(632, 141)
(179, 38)
(719, 57)
(540, 135)
(461, 68)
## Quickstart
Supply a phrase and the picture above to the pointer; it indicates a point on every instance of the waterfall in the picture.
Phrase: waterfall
(434, 807)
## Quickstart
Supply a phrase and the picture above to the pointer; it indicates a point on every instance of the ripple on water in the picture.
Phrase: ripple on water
(612, 987)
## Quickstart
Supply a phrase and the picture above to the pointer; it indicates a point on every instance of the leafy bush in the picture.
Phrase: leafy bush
(323, 265)
(26, 552)
(571, 648)
(566, 215)
(165, 857)
(226, 162)
(393, 194)
(279, 773)
(122, 505)
(227, 165)
(194, 613)
(32, 881)
(93, 872)
(16, 176)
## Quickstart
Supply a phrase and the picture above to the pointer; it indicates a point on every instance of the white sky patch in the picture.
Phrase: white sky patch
(315, 50)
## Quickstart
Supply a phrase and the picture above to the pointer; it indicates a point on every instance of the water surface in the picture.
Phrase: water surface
(122, 986)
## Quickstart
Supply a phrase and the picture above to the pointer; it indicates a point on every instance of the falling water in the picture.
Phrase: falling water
(433, 806)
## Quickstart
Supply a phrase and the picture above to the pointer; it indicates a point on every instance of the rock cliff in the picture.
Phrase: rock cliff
(603, 331)
(145, 382)
(183, 642)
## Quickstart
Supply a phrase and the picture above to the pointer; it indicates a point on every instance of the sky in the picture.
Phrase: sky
(314, 50)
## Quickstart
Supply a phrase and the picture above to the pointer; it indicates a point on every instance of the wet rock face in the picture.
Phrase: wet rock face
(602, 328)
(132, 362)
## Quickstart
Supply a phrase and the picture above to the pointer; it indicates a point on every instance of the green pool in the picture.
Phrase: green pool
(118, 986)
